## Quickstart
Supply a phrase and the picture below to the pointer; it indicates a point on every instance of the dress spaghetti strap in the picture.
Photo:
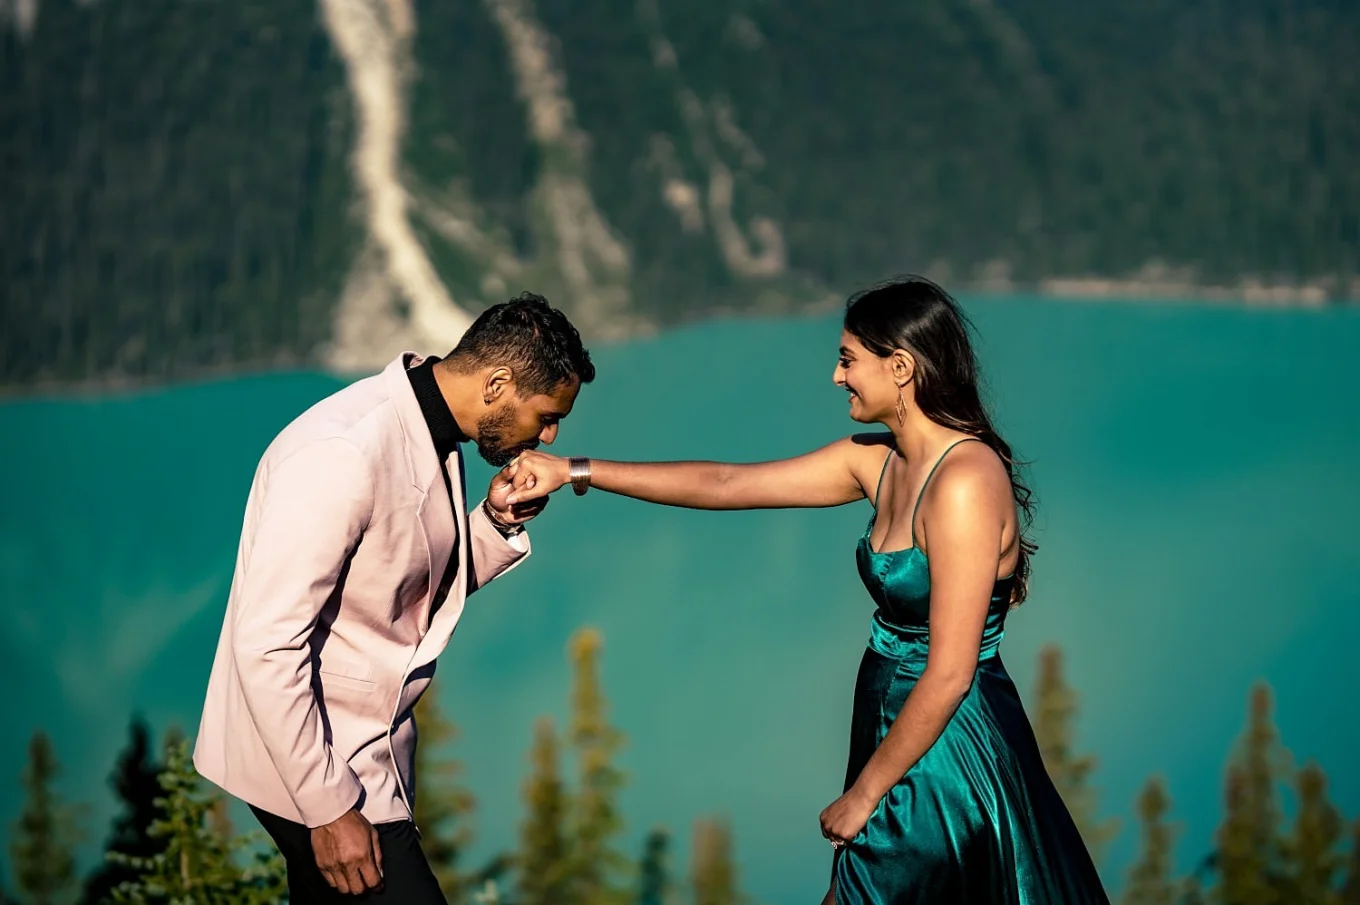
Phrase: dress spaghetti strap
(881, 474)
(926, 483)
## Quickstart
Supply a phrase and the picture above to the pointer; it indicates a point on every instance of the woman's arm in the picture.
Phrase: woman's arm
(829, 476)
(965, 521)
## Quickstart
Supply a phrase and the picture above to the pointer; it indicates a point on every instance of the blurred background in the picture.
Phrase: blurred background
(213, 214)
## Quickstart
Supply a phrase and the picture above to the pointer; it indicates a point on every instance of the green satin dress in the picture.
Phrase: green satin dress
(976, 821)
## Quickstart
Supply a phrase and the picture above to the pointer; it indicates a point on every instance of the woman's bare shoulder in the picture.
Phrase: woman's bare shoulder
(971, 475)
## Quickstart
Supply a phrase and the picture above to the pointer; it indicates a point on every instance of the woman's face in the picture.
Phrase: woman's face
(868, 379)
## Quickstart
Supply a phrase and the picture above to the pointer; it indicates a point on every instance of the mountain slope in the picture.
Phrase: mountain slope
(192, 187)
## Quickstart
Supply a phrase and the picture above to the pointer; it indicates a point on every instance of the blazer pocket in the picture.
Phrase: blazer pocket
(351, 701)
(354, 673)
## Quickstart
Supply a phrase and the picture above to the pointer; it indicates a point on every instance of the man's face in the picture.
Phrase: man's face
(519, 424)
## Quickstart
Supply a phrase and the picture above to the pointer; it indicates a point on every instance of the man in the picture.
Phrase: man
(356, 555)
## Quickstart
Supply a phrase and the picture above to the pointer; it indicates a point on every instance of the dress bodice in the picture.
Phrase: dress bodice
(899, 582)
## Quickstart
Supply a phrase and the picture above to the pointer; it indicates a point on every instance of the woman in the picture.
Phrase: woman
(946, 798)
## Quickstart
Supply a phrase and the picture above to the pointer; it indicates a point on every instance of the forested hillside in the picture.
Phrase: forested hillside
(199, 185)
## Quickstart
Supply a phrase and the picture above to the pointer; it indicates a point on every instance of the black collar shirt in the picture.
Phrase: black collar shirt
(446, 434)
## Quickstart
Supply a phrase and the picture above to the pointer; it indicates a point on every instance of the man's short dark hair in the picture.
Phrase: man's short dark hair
(530, 337)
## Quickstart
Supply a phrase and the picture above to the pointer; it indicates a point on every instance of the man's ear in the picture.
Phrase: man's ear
(497, 384)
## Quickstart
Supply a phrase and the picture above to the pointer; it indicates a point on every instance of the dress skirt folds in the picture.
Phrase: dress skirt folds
(976, 821)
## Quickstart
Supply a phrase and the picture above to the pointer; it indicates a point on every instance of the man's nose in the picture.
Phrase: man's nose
(548, 435)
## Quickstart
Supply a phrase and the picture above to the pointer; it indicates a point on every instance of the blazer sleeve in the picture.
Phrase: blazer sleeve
(491, 553)
(315, 506)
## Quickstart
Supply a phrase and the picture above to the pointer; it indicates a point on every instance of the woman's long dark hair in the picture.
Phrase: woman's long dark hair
(913, 314)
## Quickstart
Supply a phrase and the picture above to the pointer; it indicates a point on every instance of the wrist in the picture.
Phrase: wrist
(864, 796)
(578, 474)
(500, 521)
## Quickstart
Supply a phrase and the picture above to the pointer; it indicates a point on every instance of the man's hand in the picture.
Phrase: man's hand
(503, 484)
(535, 475)
(348, 854)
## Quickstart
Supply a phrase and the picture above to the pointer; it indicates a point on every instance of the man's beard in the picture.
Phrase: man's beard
(491, 443)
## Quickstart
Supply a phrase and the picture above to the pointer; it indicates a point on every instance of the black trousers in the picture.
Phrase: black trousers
(407, 878)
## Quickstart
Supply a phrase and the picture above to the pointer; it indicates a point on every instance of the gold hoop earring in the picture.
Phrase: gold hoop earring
(901, 409)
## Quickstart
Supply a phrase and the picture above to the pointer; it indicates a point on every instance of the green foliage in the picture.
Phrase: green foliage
(543, 865)
(199, 865)
(136, 782)
(443, 806)
(178, 199)
(45, 833)
(1150, 879)
(1312, 850)
(1350, 892)
(654, 877)
(1256, 862)
(713, 872)
(1194, 893)
(566, 855)
(1071, 774)
(595, 818)
(175, 188)
(1250, 856)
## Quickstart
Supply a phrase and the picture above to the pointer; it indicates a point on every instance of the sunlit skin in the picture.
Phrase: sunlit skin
(966, 524)
(487, 406)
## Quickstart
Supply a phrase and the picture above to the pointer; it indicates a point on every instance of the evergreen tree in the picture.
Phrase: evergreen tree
(1150, 881)
(713, 872)
(1350, 893)
(197, 863)
(136, 782)
(219, 819)
(45, 834)
(542, 862)
(1053, 728)
(595, 817)
(1248, 844)
(174, 738)
(487, 893)
(1311, 851)
(654, 879)
(1193, 892)
(442, 805)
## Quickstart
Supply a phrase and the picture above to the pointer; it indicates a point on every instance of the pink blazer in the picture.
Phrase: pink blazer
(328, 640)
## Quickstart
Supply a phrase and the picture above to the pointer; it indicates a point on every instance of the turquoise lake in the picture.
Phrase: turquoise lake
(1195, 468)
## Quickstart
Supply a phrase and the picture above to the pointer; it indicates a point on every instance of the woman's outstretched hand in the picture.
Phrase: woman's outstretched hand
(534, 475)
(498, 499)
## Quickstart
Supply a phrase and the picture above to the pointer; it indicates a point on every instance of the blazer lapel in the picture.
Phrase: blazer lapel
(444, 621)
(438, 526)
(437, 519)
(444, 527)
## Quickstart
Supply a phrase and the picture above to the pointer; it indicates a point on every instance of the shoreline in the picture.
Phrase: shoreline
(1250, 294)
